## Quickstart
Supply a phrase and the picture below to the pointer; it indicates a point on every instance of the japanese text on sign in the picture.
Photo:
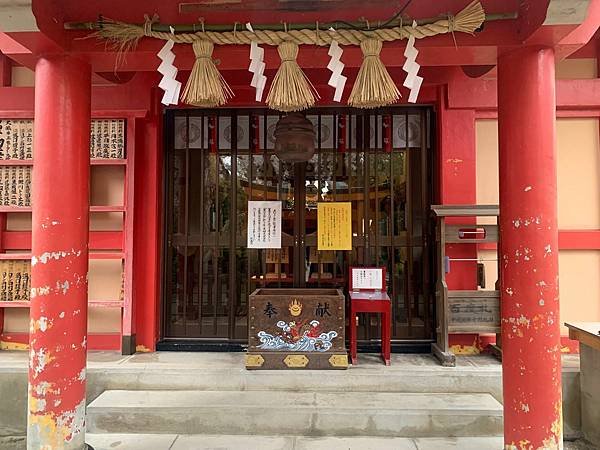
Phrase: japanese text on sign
(107, 139)
(367, 278)
(264, 224)
(334, 226)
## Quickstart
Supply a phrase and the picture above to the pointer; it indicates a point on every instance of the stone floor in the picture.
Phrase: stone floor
(189, 360)
(201, 442)
(165, 363)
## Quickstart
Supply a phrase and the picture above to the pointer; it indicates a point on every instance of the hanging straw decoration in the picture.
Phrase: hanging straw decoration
(124, 37)
(374, 86)
(206, 86)
(290, 90)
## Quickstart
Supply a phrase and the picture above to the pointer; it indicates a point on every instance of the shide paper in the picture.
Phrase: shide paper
(411, 67)
(167, 69)
(257, 67)
(337, 80)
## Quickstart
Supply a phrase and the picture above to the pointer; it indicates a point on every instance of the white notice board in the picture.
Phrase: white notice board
(367, 278)
(264, 224)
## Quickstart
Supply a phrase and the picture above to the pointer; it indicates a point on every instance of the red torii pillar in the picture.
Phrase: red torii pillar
(59, 263)
(531, 362)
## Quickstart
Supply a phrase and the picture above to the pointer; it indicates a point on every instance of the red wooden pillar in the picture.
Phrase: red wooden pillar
(60, 199)
(529, 246)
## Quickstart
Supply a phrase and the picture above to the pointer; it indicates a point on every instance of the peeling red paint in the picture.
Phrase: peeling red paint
(60, 263)
(529, 234)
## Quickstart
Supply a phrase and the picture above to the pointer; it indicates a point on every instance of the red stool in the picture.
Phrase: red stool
(371, 301)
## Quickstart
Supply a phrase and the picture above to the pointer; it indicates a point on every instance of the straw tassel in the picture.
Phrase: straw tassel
(291, 90)
(206, 86)
(374, 86)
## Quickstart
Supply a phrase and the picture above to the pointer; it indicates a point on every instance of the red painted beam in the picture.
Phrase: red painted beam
(96, 341)
(567, 240)
(256, 11)
(147, 240)
(579, 240)
(121, 99)
(581, 35)
(99, 240)
(457, 173)
(5, 71)
(482, 94)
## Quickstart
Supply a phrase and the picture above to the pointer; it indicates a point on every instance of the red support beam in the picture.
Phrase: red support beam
(482, 94)
(567, 240)
(128, 322)
(579, 240)
(58, 310)
(148, 239)
(457, 172)
(531, 360)
(5, 71)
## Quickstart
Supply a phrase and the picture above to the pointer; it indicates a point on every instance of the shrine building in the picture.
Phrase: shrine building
(141, 143)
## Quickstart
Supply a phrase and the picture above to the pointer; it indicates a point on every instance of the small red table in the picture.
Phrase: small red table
(371, 301)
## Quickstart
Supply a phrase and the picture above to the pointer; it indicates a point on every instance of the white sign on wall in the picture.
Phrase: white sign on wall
(264, 224)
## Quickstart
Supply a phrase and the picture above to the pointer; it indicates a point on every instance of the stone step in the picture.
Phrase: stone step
(225, 371)
(296, 413)
(229, 442)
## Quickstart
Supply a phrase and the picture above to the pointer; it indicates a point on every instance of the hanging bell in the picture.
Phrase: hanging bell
(294, 138)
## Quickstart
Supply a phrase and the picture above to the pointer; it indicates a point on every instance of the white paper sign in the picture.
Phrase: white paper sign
(264, 224)
(371, 278)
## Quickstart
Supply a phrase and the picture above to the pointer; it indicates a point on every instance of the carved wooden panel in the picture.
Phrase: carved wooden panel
(15, 185)
(473, 311)
(107, 139)
(15, 280)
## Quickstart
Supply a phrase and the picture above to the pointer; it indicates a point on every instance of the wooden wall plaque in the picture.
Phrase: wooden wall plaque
(15, 280)
(473, 311)
(107, 139)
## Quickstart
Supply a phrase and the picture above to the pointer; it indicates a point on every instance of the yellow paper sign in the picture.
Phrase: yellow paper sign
(334, 231)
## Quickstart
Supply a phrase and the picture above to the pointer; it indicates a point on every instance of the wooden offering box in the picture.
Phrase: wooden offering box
(296, 329)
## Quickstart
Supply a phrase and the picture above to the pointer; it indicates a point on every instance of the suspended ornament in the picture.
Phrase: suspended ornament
(294, 138)
(167, 69)
(337, 80)
(291, 90)
(206, 86)
(257, 68)
(411, 67)
(374, 86)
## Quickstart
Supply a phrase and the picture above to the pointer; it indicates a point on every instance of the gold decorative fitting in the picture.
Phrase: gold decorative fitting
(338, 360)
(254, 360)
(295, 307)
(293, 361)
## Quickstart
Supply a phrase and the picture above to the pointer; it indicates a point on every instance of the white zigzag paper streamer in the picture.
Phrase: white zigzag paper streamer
(411, 67)
(168, 83)
(257, 67)
(337, 80)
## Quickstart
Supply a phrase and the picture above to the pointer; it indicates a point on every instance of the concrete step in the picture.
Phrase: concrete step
(296, 413)
(229, 442)
(225, 371)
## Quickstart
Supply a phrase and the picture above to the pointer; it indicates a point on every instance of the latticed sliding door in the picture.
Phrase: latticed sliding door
(379, 161)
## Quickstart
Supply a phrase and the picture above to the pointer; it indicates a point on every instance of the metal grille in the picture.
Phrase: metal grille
(216, 161)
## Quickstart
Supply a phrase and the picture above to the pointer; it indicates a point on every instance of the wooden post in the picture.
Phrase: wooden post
(59, 262)
(531, 359)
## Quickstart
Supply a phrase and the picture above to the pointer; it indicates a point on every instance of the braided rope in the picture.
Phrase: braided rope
(466, 21)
